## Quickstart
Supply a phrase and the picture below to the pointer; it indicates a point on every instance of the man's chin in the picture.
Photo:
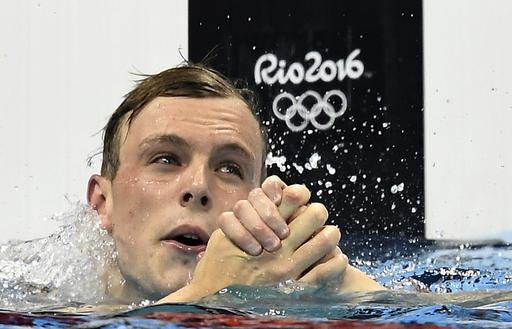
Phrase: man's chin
(173, 281)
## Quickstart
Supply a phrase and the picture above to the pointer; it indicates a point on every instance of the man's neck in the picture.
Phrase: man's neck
(120, 289)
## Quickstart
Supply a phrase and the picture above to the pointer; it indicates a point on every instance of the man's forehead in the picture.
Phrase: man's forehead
(160, 106)
(171, 112)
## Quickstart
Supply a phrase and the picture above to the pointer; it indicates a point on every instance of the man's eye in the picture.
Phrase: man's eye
(165, 159)
(231, 169)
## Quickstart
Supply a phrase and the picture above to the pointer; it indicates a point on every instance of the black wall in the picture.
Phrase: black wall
(370, 172)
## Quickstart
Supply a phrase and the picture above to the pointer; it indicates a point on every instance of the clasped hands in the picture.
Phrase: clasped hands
(273, 236)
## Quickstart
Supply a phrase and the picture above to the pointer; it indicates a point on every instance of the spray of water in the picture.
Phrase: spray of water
(66, 267)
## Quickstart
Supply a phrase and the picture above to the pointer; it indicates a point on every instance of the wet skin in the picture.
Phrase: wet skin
(183, 162)
(191, 166)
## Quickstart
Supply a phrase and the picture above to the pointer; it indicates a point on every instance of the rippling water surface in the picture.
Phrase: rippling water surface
(453, 285)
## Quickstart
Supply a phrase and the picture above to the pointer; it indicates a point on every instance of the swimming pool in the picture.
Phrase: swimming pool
(452, 285)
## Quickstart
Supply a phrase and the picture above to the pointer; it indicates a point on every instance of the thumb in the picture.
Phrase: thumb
(294, 197)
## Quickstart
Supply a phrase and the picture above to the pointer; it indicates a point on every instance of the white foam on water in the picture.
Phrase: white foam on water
(60, 269)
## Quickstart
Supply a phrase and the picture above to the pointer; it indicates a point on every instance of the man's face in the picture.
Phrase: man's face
(183, 161)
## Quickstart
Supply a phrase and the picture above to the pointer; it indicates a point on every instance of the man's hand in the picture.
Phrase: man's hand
(260, 222)
(308, 254)
(309, 243)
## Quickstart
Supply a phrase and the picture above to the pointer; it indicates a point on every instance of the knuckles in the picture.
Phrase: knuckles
(318, 212)
(282, 273)
(224, 219)
(259, 230)
(296, 194)
(256, 193)
(274, 179)
(331, 234)
(343, 259)
(240, 205)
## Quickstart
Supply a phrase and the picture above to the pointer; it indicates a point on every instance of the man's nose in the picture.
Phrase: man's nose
(195, 191)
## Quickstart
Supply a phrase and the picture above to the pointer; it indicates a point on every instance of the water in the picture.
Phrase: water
(62, 268)
(454, 285)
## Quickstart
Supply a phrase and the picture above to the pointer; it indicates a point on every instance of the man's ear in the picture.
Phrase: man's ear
(99, 199)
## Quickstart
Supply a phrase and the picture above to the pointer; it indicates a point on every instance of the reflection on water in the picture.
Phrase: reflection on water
(455, 285)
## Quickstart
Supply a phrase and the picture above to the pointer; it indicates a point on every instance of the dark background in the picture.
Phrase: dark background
(377, 144)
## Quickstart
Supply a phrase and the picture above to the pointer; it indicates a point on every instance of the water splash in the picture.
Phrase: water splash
(65, 267)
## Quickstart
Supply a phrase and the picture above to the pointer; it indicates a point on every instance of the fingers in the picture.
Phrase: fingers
(317, 248)
(335, 252)
(293, 197)
(273, 187)
(329, 273)
(232, 228)
(310, 220)
(269, 214)
(258, 220)
(255, 225)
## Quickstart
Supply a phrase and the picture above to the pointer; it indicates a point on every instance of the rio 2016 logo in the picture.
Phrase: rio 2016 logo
(270, 70)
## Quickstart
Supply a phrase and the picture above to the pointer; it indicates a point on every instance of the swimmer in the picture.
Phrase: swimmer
(184, 194)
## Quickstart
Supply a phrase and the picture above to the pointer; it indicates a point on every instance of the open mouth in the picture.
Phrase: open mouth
(187, 239)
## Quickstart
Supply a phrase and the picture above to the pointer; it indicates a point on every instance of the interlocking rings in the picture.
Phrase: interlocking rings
(321, 105)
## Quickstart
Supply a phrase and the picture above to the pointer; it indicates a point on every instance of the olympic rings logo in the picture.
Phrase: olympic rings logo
(297, 107)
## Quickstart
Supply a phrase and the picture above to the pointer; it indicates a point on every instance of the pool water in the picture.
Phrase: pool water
(429, 284)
